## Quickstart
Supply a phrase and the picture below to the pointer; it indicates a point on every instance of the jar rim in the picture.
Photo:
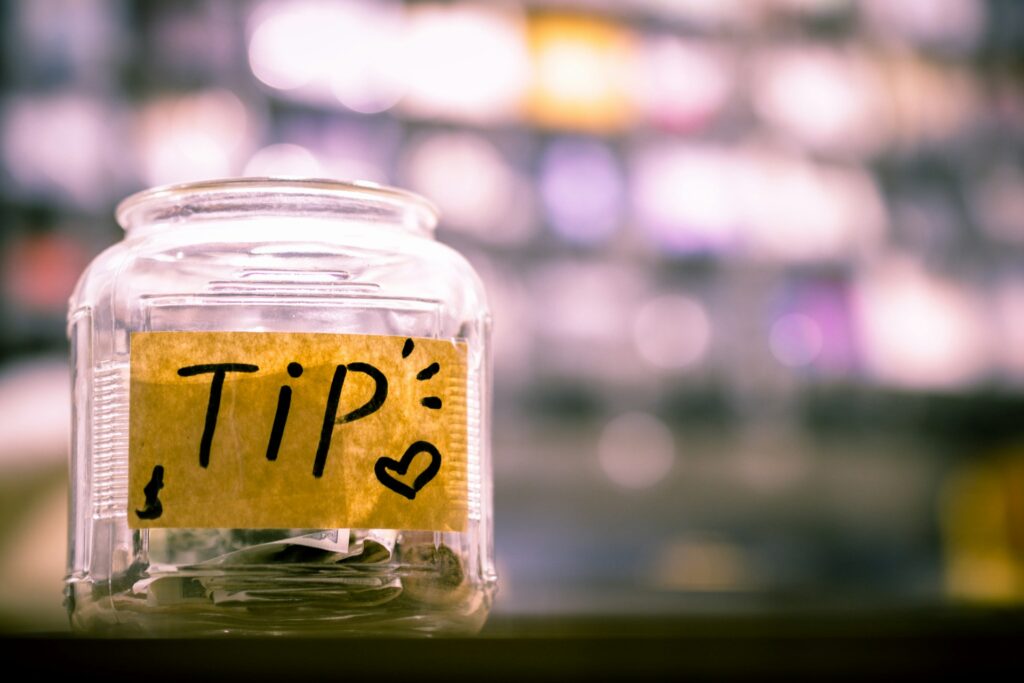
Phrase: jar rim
(308, 196)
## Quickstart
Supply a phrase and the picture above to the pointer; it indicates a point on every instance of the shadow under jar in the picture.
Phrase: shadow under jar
(341, 353)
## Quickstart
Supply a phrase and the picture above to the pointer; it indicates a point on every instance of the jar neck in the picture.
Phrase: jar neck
(238, 199)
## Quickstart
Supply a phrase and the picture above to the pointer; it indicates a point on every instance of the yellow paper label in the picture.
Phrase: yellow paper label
(297, 430)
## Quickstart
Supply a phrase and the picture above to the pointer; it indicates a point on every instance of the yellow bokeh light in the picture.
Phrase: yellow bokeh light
(582, 70)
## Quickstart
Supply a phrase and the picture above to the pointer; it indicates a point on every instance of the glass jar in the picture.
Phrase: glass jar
(311, 282)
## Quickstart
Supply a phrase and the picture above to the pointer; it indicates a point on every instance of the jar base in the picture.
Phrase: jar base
(317, 609)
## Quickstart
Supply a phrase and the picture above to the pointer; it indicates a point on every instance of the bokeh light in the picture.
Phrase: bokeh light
(582, 69)
(197, 136)
(952, 25)
(796, 340)
(797, 211)
(291, 43)
(470, 181)
(582, 187)
(40, 270)
(467, 62)
(710, 199)
(824, 98)
(672, 331)
(636, 450)
(63, 145)
(353, 51)
(930, 104)
(684, 197)
(682, 85)
(919, 330)
(33, 435)
(370, 73)
(812, 327)
(701, 563)
(583, 322)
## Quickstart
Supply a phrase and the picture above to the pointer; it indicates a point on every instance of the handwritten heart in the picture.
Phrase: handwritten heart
(384, 466)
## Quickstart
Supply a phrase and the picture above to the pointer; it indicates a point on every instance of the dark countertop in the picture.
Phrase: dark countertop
(924, 642)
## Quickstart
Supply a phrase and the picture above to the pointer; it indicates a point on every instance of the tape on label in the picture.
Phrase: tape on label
(297, 430)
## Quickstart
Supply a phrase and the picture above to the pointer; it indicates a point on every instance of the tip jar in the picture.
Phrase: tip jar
(280, 418)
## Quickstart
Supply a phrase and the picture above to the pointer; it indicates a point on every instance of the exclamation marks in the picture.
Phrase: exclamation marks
(432, 402)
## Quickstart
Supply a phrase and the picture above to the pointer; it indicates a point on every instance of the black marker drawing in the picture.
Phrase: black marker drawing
(380, 394)
(153, 508)
(385, 466)
(432, 402)
(331, 419)
(284, 402)
(428, 372)
(219, 370)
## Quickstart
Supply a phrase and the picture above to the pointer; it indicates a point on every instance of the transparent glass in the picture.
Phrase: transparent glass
(276, 256)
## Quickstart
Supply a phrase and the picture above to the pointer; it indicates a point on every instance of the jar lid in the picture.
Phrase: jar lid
(238, 197)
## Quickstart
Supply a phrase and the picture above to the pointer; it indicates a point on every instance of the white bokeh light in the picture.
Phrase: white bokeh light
(466, 62)
(920, 331)
(350, 51)
(468, 178)
(372, 72)
(292, 43)
(197, 136)
(636, 450)
(681, 84)
(672, 331)
(685, 197)
(585, 302)
(824, 98)
(63, 142)
(794, 210)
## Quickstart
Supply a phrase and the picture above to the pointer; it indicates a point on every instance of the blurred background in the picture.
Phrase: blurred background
(757, 267)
